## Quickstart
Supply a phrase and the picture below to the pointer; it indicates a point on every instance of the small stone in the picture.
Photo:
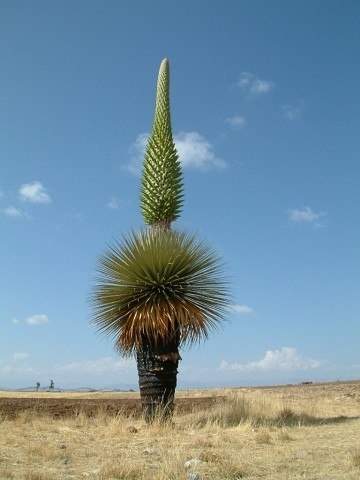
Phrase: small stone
(64, 461)
(193, 476)
(62, 446)
(149, 451)
(132, 430)
(194, 462)
(302, 454)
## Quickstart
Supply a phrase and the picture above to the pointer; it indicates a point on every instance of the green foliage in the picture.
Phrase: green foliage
(157, 285)
(161, 195)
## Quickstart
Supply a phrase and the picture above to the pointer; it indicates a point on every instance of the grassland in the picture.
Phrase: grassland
(307, 432)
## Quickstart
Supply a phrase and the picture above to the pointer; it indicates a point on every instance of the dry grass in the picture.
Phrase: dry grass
(303, 432)
(59, 394)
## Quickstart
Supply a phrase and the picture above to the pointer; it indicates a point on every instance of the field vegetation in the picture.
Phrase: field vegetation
(293, 432)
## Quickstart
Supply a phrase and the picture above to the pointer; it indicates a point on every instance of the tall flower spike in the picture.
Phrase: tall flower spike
(161, 196)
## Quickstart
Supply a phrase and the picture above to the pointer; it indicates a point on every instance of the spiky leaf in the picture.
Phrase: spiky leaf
(157, 285)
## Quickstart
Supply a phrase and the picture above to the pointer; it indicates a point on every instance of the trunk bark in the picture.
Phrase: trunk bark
(157, 369)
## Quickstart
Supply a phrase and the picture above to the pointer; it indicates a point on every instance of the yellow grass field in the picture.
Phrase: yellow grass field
(307, 432)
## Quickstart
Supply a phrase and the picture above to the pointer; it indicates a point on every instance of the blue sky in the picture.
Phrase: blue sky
(265, 112)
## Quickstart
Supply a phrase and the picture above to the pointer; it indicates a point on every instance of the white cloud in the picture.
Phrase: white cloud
(5, 369)
(117, 203)
(292, 112)
(236, 122)
(19, 356)
(306, 215)
(286, 359)
(113, 204)
(14, 320)
(34, 192)
(76, 215)
(12, 211)
(194, 151)
(37, 319)
(136, 151)
(98, 367)
(242, 309)
(254, 86)
(17, 369)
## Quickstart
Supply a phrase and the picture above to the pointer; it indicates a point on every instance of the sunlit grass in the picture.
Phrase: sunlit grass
(288, 433)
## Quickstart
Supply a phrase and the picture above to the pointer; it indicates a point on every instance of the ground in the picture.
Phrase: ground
(293, 432)
(58, 406)
(65, 404)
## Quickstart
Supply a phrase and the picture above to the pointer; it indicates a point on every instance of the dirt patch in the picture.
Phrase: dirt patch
(11, 407)
(336, 397)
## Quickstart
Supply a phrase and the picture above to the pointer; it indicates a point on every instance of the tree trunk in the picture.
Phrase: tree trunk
(157, 369)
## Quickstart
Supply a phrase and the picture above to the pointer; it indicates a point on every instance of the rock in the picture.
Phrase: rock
(193, 476)
(95, 473)
(149, 451)
(194, 462)
(302, 454)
